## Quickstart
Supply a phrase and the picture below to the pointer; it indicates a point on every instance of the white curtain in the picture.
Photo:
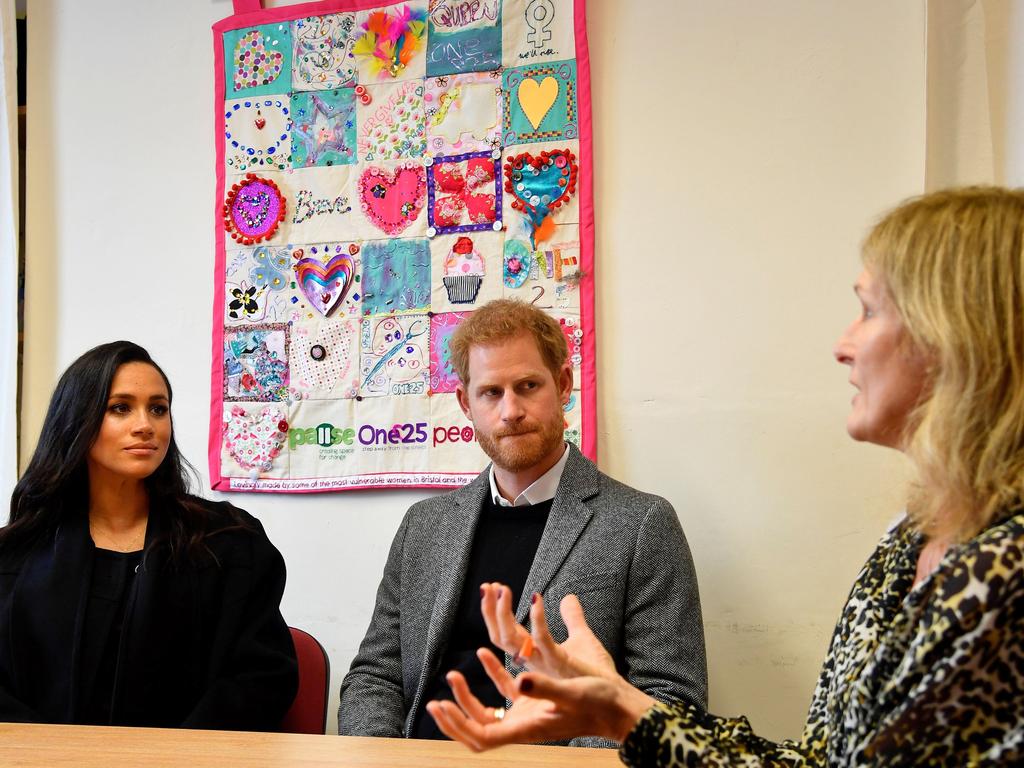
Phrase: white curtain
(8, 254)
(975, 72)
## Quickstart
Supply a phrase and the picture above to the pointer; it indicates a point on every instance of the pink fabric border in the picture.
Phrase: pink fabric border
(588, 316)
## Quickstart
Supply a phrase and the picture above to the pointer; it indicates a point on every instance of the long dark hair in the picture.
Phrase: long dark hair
(56, 482)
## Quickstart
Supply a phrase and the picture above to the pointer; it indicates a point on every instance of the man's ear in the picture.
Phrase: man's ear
(565, 382)
(463, 398)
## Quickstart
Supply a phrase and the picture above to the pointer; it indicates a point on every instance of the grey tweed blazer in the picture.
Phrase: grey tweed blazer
(620, 550)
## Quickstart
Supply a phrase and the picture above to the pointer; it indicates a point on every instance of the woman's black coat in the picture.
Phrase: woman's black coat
(203, 645)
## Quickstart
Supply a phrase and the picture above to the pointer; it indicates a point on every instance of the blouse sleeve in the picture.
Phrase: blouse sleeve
(679, 734)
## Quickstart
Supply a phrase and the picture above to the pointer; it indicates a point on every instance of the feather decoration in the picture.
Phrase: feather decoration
(545, 231)
(389, 42)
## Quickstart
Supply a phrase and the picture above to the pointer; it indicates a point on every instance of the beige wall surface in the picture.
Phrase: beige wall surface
(741, 150)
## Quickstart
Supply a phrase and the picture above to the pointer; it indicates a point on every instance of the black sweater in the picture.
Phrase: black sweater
(504, 545)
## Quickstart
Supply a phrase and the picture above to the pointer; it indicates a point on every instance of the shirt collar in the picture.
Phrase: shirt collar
(542, 489)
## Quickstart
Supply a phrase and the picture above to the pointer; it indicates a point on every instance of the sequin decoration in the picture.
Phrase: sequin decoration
(257, 134)
(258, 60)
(253, 209)
(323, 52)
(325, 128)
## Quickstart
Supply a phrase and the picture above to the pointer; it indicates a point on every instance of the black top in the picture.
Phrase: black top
(504, 546)
(113, 574)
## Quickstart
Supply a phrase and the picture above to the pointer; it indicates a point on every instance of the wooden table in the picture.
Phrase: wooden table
(51, 746)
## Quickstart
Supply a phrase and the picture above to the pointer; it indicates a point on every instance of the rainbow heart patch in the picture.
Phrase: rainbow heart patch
(325, 286)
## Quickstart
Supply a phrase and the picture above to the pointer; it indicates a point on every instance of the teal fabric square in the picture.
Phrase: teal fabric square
(258, 60)
(540, 103)
(324, 128)
(396, 276)
(463, 37)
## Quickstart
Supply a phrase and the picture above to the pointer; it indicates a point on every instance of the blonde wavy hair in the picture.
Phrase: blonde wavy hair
(952, 262)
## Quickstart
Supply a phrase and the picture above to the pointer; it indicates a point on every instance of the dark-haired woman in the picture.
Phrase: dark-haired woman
(124, 600)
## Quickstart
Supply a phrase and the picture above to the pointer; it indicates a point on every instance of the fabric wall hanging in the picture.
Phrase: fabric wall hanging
(383, 169)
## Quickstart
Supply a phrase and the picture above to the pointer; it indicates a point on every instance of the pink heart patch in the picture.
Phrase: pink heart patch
(254, 440)
(393, 200)
(254, 64)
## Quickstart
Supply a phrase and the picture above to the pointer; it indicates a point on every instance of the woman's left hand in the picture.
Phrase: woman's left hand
(581, 653)
(558, 710)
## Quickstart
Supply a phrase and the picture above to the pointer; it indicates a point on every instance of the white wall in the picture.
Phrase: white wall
(742, 148)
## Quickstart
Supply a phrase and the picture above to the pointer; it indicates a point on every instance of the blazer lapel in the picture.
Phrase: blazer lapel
(455, 540)
(568, 517)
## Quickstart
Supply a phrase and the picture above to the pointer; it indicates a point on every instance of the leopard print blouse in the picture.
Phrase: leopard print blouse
(925, 675)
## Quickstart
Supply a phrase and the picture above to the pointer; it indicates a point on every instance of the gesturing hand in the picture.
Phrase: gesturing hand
(556, 710)
(581, 654)
(573, 688)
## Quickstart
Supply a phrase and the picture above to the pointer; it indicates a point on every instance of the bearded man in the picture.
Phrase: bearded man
(541, 519)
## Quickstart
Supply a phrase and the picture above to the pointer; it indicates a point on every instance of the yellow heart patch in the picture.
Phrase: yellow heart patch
(537, 98)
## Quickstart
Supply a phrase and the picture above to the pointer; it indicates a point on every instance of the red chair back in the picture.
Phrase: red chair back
(308, 713)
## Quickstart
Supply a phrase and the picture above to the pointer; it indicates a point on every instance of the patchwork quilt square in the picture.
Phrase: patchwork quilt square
(324, 358)
(325, 281)
(390, 42)
(540, 103)
(537, 31)
(393, 355)
(390, 121)
(256, 282)
(322, 55)
(463, 113)
(464, 193)
(255, 440)
(324, 128)
(258, 60)
(463, 36)
(256, 363)
(442, 375)
(257, 134)
(465, 270)
(396, 276)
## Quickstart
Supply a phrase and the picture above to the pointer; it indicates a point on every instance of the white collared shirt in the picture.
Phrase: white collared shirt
(541, 489)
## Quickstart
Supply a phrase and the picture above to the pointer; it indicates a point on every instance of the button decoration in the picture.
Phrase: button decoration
(539, 185)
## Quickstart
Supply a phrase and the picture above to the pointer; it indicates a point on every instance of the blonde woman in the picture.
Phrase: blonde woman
(926, 666)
